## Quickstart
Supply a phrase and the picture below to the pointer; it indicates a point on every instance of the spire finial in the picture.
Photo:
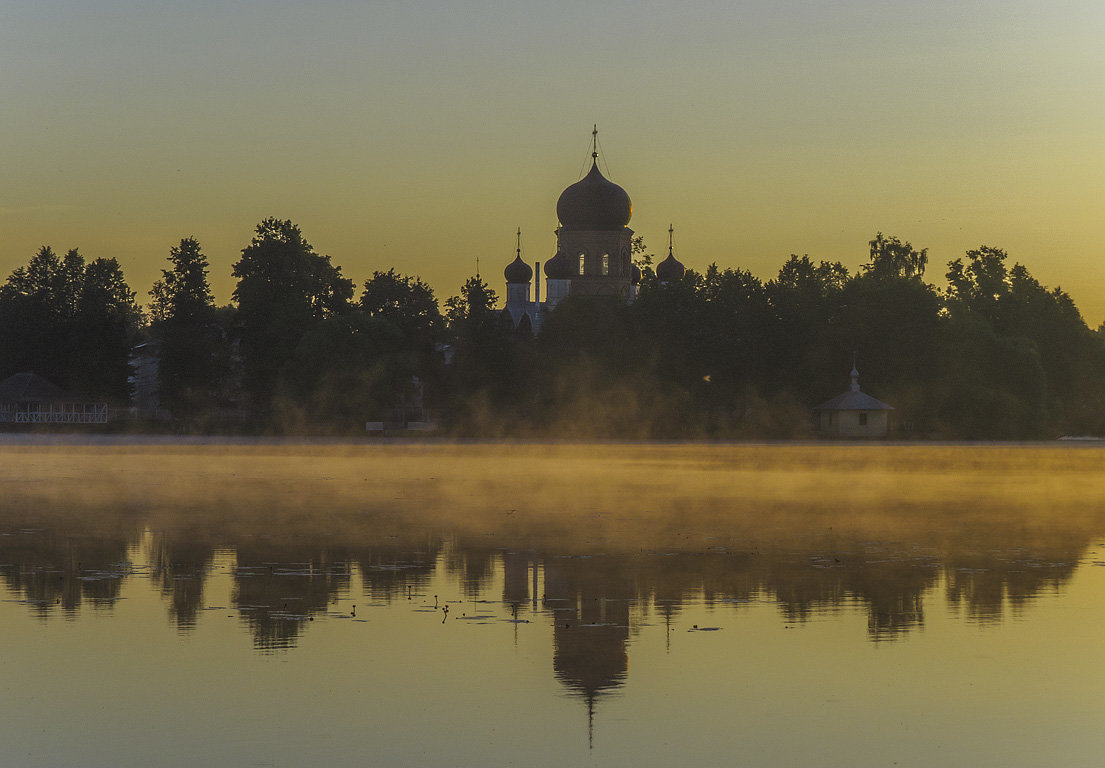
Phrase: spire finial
(518, 250)
(590, 720)
(854, 374)
(671, 234)
(595, 142)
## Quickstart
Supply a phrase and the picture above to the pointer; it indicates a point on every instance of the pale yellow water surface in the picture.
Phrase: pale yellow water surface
(264, 603)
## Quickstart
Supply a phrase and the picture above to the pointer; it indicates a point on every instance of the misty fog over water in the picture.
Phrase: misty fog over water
(179, 603)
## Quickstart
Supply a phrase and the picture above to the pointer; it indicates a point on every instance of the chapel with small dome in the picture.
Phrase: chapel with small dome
(594, 251)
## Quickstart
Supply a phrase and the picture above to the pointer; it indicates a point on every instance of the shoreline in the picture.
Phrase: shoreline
(76, 439)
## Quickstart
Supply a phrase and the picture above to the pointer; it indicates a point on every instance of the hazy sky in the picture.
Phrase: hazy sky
(420, 135)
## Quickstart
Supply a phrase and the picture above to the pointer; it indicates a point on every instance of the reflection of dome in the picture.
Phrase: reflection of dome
(670, 269)
(558, 267)
(518, 271)
(593, 203)
(635, 274)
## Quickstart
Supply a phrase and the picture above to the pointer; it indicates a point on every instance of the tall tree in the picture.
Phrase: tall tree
(347, 369)
(474, 304)
(890, 257)
(981, 285)
(70, 322)
(670, 318)
(487, 357)
(1021, 311)
(32, 323)
(1050, 365)
(104, 332)
(410, 305)
(406, 302)
(190, 341)
(894, 323)
(283, 289)
(739, 319)
(806, 299)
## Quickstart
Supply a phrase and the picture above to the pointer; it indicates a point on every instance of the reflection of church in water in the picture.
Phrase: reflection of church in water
(589, 601)
(594, 252)
(594, 604)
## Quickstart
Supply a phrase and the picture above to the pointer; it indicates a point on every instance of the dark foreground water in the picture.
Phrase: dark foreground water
(551, 605)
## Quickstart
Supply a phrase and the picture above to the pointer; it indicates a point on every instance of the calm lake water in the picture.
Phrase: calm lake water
(182, 604)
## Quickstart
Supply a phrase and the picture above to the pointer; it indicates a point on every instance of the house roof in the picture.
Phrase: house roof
(854, 401)
(29, 387)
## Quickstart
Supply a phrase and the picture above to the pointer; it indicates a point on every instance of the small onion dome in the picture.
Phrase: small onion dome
(518, 271)
(635, 274)
(558, 267)
(593, 203)
(669, 270)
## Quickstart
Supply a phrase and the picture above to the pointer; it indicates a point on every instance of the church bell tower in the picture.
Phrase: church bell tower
(593, 239)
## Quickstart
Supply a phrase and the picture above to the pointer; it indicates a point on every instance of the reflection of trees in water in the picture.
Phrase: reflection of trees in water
(810, 529)
(888, 582)
(473, 566)
(50, 569)
(389, 570)
(180, 568)
(278, 587)
(68, 554)
(519, 575)
(54, 564)
(892, 592)
(983, 588)
(802, 584)
(676, 578)
(62, 563)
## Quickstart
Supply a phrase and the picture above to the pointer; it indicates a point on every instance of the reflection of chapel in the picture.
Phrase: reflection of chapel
(594, 251)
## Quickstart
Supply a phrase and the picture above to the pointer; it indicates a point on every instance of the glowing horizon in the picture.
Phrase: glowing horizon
(421, 138)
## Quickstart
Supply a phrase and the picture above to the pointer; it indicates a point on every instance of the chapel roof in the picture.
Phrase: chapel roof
(854, 401)
(28, 387)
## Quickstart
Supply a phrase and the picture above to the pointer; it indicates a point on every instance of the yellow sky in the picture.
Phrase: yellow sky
(420, 136)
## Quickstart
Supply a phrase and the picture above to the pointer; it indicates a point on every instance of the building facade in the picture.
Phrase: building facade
(27, 398)
(853, 414)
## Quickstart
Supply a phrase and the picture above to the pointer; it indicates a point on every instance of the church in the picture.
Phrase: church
(594, 252)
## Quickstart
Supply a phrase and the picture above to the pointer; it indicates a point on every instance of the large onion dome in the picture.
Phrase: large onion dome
(518, 271)
(670, 269)
(593, 203)
(558, 267)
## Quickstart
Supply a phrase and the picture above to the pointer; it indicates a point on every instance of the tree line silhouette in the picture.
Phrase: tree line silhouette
(717, 354)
